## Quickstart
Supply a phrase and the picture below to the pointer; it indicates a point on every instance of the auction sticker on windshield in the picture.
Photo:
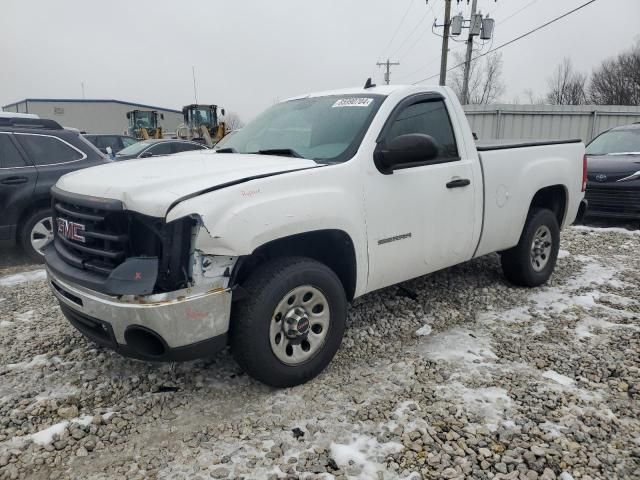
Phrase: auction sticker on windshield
(353, 102)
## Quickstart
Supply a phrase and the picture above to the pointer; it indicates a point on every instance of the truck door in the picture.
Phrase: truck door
(421, 218)
(17, 182)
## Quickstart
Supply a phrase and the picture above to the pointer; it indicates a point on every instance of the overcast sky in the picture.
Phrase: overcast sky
(250, 53)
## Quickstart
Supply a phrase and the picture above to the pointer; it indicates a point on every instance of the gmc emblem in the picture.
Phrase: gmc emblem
(71, 230)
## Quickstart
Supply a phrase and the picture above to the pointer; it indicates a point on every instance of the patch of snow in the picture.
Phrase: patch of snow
(24, 316)
(24, 277)
(605, 230)
(362, 453)
(45, 437)
(108, 415)
(84, 420)
(490, 403)
(617, 300)
(554, 429)
(558, 378)
(64, 391)
(583, 329)
(563, 253)
(424, 331)
(565, 476)
(457, 345)
(5, 323)
(538, 328)
(37, 361)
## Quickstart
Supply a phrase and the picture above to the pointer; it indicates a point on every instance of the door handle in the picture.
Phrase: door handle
(14, 180)
(459, 183)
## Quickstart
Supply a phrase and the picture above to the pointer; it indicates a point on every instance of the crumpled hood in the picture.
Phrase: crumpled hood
(152, 185)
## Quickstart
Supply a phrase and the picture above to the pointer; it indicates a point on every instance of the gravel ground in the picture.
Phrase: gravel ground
(453, 375)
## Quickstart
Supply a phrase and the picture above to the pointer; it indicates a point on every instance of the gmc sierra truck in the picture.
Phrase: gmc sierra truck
(319, 200)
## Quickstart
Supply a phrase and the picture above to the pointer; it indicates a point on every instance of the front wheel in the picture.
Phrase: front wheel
(36, 234)
(532, 261)
(290, 325)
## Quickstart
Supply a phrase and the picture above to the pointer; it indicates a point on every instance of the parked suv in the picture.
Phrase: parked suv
(116, 142)
(34, 154)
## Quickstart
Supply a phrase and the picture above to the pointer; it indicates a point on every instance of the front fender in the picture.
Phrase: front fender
(238, 219)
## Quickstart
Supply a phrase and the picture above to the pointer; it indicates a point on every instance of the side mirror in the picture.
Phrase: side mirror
(128, 115)
(405, 150)
(146, 155)
(109, 151)
(162, 116)
(222, 111)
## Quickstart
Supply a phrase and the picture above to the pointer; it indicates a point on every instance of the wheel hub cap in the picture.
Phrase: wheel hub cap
(296, 323)
(299, 325)
(541, 248)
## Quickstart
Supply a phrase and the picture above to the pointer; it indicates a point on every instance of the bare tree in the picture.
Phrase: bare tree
(485, 79)
(617, 80)
(233, 121)
(531, 97)
(566, 86)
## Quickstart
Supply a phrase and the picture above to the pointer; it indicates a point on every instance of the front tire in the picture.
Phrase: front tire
(532, 261)
(290, 325)
(36, 233)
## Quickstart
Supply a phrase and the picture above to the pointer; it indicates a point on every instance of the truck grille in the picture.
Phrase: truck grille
(97, 235)
(92, 238)
(615, 202)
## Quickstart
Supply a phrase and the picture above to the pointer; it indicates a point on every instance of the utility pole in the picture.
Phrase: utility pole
(388, 64)
(82, 85)
(445, 43)
(467, 62)
(195, 90)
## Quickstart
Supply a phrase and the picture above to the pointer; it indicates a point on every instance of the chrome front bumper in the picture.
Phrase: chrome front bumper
(185, 320)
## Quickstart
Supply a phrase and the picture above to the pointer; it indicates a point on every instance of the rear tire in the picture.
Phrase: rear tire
(36, 233)
(291, 323)
(532, 261)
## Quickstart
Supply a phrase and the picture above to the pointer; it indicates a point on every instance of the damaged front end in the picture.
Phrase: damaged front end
(138, 284)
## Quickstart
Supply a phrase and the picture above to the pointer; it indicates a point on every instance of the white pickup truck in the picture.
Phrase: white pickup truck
(319, 200)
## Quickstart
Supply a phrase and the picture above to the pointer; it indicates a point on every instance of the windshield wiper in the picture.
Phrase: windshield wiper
(289, 152)
(226, 150)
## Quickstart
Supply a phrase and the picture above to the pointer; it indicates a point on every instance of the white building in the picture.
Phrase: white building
(92, 116)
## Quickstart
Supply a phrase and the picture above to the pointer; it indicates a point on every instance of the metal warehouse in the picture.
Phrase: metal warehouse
(93, 116)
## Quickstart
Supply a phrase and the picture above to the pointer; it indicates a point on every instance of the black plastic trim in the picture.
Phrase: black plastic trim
(87, 200)
(541, 143)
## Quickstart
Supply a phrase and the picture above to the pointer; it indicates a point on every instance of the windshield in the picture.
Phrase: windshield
(134, 149)
(321, 128)
(202, 116)
(140, 119)
(616, 142)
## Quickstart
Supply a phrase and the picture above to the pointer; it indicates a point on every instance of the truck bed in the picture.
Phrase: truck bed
(487, 145)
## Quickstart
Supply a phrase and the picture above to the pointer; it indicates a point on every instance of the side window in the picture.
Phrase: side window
(186, 147)
(104, 142)
(48, 150)
(431, 118)
(161, 149)
(9, 155)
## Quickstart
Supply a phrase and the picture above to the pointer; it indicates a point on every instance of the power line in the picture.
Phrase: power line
(424, 17)
(513, 40)
(413, 45)
(516, 13)
(399, 25)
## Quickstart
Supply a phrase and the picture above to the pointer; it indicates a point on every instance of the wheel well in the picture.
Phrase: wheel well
(553, 198)
(39, 204)
(333, 248)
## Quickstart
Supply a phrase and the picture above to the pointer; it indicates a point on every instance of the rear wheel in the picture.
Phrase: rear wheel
(36, 234)
(291, 324)
(532, 261)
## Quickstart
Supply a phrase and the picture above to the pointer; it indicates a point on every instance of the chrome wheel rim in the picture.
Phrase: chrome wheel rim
(541, 248)
(299, 325)
(42, 234)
